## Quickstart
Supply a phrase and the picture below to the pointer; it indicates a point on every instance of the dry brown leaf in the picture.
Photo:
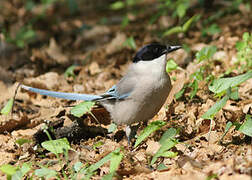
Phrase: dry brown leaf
(177, 86)
(11, 124)
(55, 52)
(49, 81)
(94, 68)
(6, 157)
(96, 31)
(116, 43)
(152, 147)
(23, 133)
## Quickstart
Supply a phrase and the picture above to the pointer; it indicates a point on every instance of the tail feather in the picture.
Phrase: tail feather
(70, 96)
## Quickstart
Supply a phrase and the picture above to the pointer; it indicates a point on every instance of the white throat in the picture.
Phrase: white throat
(154, 67)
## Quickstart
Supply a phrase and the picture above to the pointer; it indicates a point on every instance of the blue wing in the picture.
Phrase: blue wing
(113, 94)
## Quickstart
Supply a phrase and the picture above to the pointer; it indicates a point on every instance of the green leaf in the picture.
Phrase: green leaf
(82, 108)
(112, 128)
(8, 169)
(26, 167)
(215, 108)
(206, 53)
(70, 71)
(56, 146)
(115, 161)
(228, 126)
(180, 93)
(97, 165)
(117, 5)
(162, 167)
(234, 94)
(108, 176)
(245, 36)
(77, 166)
(24, 35)
(125, 21)
(169, 154)
(213, 29)
(98, 144)
(45, 173)
(222, 84)
(131, 2)
(130, 42)
(163, 150)
(22, 141)
(240, 45)
(152, 127)
(17, 176)
(167, 141)
(170, 133)
(246, 127)
(189, 22)
(7, 108)
(212, 176)
(195, 86)
(181, 10)
(174, 30)
(171, 65)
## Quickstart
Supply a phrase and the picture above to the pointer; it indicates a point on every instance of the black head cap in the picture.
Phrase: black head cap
(153, 51)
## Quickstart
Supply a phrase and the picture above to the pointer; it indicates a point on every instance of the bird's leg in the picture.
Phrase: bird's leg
(131, 132)
(128, 132)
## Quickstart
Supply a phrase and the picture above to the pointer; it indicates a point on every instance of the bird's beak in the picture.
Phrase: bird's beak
(173, 48)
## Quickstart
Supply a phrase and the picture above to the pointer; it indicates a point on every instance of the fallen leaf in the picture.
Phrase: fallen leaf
(55, 52)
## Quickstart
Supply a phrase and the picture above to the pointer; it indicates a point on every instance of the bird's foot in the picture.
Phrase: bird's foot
(131, 133)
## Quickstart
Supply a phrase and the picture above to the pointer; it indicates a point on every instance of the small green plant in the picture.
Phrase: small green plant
(174, 8)
(24, 36)
(245, 128)
(182, 29)
(114, 157)
(244, 55)
(82, 108)
(7, 108)
(22, 141)
(171, 65)
(152, 127)
(211, 30)
(167, 142)
(225, 87)
(16, 172)
(205, 54)
(130, 42)
(112, 128)
(70, 72)
(127, 5)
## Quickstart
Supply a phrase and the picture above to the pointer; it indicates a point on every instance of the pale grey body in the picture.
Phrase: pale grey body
(149, 86)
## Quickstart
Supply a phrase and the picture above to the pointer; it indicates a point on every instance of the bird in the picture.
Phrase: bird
(139, 94)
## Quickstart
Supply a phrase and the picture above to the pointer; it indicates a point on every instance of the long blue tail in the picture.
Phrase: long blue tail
(70, 96)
